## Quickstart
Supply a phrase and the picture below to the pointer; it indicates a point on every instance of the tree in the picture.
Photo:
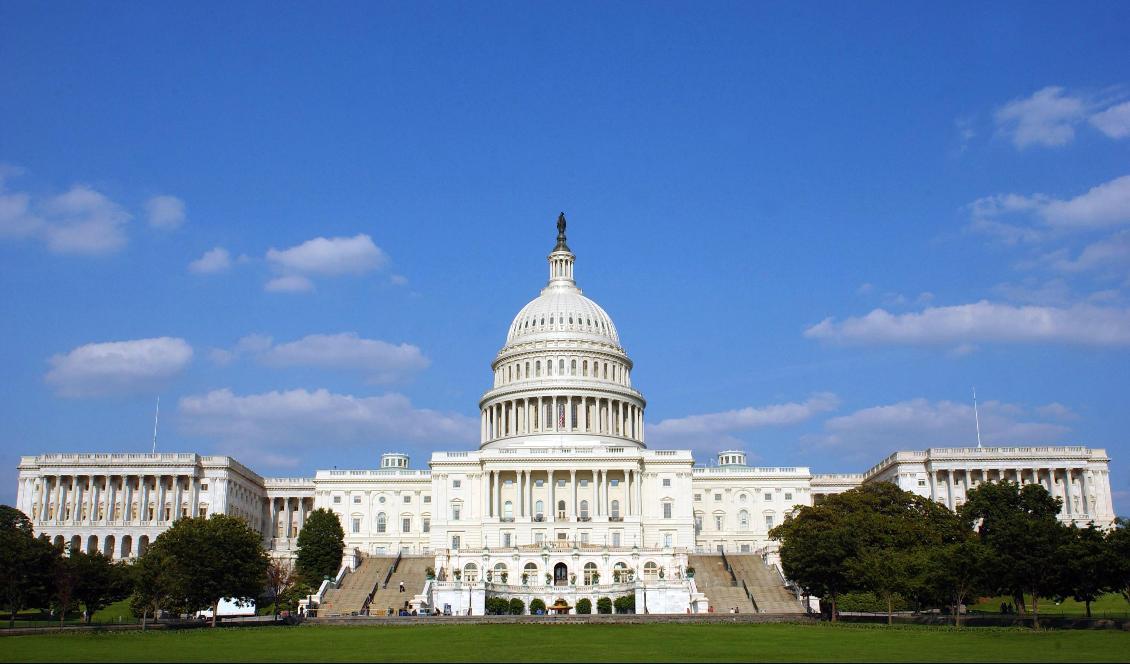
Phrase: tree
(100, 581)
(26, 563)
(280, 579)
(584, 606)
(883, 571)
(517, 607)
(65, 579)
(625, 604)
(1118, 546)
(958, 571)
(320, 545)
(497, 606)
(1084, 565)
(213, 558)
(154, 584)
(1021, 528)
(537, 605)
(604, 605)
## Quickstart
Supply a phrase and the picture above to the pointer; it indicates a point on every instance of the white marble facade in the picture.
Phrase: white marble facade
(562, 479)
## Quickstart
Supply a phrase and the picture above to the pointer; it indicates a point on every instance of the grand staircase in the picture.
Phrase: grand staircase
(411, 571)
(355, 588)
(725, 591)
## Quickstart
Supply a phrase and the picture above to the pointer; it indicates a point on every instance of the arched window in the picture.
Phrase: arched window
(584, 509)
(508, 510)
(471, 573)
(382, 522)
(743, 498)
(605, 371)
(501, 573)
(561, 509)
(621, 573)
(615, 509)
(650, 570)
(585, 368)
(539, 509)
(590, 574)
(573, 368)
(531, 573)
(537, 369)
(743, 520)
(549, 367)
(561, 367)
(527, 370)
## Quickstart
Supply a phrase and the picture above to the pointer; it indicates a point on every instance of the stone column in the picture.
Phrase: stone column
(607, 488)
(301, 514)
(1068, 493)
(596, 490)
(274, 527)
(287, 522)
(520, 485)
(178, 497)
(552, 496)
(194, 508)
(61, 513)
(162, 496)
(573, 489)
(76, 514)
(1083, 492)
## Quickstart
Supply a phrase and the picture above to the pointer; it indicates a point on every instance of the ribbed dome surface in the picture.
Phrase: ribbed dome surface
(562, 310)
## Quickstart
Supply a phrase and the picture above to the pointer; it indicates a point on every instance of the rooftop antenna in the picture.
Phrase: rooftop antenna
(155, 416)
(977, 418)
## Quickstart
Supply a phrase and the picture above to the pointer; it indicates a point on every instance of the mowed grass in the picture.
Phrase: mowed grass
(1111, 605)
(590, 643)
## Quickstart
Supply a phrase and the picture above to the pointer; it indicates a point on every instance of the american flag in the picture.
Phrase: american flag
(561, 416)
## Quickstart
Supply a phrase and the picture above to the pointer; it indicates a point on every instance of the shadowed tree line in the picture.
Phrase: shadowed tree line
(190, 567)
(1004, 540)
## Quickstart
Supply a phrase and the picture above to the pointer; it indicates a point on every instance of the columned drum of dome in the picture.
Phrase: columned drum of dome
(562, 370)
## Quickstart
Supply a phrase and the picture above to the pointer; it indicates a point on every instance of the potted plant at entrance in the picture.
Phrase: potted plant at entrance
(661, 572)
(456, 574)
(525, 579)
(429, 574)
(548, 579)
(573, 579)
(690, 572)
(503, 576)
(595, 578)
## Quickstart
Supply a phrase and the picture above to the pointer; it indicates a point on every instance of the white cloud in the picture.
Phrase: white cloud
(694, 428)
(1111, 251)
(212, 262)
(320, 418)
(1057, 411)
(118, 366)
(165, 212)
(1046, 118)
(981, 322)
(1114, 121)
(291, 283)
(330, 256)
(1103, 206)
(380, 361)
(83, 221)
(398, 280)
(918, 423)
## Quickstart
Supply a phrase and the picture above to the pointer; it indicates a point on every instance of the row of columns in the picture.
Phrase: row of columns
(562, 414)
(282, 517)
(115, 494)
(1022, 476)
(525, 500)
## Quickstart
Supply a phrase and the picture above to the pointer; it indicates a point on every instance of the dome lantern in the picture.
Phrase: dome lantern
(561, 260)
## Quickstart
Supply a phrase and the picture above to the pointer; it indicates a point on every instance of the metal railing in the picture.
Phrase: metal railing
(392, 569)
(749, 595)
(729, 568)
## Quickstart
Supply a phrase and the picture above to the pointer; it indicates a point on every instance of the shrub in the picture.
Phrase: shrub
(604, 605)
(625, 604)
(868, 602)
(497, 606)
(537, 605)
(517, 607)
(584, 606)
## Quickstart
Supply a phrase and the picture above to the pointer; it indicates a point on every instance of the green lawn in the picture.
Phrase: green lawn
(1111, 605)
(492, 643)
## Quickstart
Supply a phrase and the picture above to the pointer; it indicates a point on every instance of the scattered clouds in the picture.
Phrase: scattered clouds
(380, 361)
(918, 423)
(330, 256)
(1049, 117)
(1103, 206)
(1114, 121)
(291, 283)
(118, 367)
(78, 221)
(303, 418)
(1113, 251)
(212, 262)
(165, 212)
(982, 321)
(694, 428)
(398, 280)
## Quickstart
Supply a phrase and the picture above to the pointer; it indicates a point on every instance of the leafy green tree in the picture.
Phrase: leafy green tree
(958, 571)
(100, 581)
(824, 548)
(296, 593)
(584, 606)
(537, 605)
(604, 605)
(1084, 565)
(1118, 548)
(154, 584)
(65, 577)
(281, 577)
(624, 604)
(497, 606)
(1021, 528)
(320, 545)
(26, 563)
(213, 558)
(517, 607)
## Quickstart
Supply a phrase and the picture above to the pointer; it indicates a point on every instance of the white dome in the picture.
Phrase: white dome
(562, 311)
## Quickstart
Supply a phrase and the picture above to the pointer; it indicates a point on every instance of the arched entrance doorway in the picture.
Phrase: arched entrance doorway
(560, 575)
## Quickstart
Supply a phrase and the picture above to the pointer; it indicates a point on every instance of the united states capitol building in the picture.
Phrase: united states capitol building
(562, 500)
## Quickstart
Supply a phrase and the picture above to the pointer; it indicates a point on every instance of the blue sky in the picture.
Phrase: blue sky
(816, 227)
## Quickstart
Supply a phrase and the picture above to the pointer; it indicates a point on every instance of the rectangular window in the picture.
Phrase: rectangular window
(204, 486)
(666, 510)
(668, 540)
(539, 538)
(769, 497)
(356, 524)
(337, 500)
(356, 500)
(666, 482)
(407, 499)
(698, 497)
(768, 520)
(506, 540)
(427, 499)
(456, 509)
(584, 482)
(426, 525)
(717, 497)
(584, 538)
(455, 484)
(788, 496)
(717, 523)
(614, 482)
(406, 525)
(616, 538)
(455, 541)
(507, 482)
(560, 482)
(921, 482)
(539, 483)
